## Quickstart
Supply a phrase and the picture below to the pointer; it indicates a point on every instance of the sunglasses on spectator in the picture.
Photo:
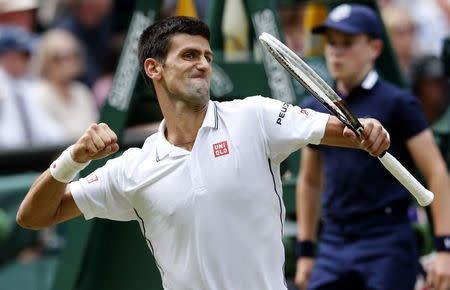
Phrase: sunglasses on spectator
(64, 56)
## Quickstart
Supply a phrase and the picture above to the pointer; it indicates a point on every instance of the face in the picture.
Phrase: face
(433, 96)
(402, 36)
(186, 72)
(91, 12)
(350, 57)
(64, 62)
(15, 63)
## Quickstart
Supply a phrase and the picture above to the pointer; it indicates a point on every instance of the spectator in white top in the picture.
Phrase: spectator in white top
(22, 121)
(206, 189)
(65, 99)
(432, 18)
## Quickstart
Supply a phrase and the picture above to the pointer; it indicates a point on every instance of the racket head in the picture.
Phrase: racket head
(312, 82)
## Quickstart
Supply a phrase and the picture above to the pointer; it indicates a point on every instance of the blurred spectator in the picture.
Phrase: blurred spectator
(103, 84)
(67, 101)
(291, 20)
(90, 21)
(49, 10)
(22, 122)
(432, 18)
(401, 30)
(235, 31)
(170, 6)
(384, 3)
(21, 13)
(429, 84)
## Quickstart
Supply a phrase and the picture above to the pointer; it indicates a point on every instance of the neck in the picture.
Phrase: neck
(182, 122)
(60, 86)
(344, 86)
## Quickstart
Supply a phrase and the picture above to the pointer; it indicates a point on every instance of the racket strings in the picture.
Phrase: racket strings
(307, 77)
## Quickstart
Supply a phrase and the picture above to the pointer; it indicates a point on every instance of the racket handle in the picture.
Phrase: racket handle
(423, 196)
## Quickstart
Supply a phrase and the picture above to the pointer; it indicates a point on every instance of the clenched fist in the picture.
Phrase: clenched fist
(97, 142)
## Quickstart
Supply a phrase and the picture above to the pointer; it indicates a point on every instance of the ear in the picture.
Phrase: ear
(377, 48)
(153, 68)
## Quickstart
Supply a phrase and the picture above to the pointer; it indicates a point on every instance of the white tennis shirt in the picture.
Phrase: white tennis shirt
(212, 217)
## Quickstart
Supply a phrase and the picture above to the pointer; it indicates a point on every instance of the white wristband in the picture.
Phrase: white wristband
(64, 168)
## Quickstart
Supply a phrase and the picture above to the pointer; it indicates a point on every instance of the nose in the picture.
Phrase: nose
(203, 64)
(336, 49)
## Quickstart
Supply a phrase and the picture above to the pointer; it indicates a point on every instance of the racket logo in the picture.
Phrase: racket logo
(220, 149)
(91, 178)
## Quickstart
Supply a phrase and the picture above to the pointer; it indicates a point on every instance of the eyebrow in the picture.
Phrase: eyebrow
(207, 52)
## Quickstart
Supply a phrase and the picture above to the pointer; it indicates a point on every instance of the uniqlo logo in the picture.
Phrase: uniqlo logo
(221, 149)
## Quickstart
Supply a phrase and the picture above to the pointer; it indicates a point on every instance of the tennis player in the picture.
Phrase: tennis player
(206, 187)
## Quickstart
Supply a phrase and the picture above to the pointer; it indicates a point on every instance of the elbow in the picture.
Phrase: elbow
(29, 222)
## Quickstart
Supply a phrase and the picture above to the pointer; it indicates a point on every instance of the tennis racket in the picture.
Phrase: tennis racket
(328, 97)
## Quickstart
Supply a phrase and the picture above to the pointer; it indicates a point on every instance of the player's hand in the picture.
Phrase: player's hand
(97, 142)
(375, 138)
(303, 271)
(438, 275)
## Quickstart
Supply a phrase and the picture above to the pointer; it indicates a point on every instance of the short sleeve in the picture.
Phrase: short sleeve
(315, 105)
(102, 193)
(287, 127)
(409, 119)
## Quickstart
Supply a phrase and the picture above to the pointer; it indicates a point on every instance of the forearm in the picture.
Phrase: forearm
(439, 184)
(308, 211)
(42, 202)
(432, 166)
(334, 135)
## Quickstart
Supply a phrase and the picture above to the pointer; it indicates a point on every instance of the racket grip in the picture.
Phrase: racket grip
(423, 196)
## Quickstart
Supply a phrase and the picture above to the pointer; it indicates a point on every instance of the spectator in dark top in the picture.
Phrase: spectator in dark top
(90, 21)
(429, 84)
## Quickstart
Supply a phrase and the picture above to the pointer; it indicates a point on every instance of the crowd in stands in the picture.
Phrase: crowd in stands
(56, 64)
(57, 60)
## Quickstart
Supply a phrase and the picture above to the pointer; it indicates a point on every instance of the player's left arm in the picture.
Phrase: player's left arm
(431, 164)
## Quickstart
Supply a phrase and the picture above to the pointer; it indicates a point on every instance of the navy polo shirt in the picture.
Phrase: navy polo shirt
(357, 184)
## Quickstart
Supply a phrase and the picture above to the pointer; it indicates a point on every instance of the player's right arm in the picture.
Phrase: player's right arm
(50, 201)
(308, 193)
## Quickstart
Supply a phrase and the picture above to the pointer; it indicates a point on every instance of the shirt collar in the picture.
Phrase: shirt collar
(370, 80)
(211, 118)
(164, 147)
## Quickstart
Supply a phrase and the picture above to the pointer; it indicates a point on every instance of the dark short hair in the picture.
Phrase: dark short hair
(154, 41)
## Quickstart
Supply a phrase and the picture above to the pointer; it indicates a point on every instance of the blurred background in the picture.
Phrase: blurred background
(67, 63)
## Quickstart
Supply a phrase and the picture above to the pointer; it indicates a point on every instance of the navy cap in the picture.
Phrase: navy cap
(15, 38)
(352, 19)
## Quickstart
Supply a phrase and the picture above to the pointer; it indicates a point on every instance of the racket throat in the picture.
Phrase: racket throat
(349, 119)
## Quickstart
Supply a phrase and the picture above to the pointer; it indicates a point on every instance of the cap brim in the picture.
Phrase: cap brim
(319, 29)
